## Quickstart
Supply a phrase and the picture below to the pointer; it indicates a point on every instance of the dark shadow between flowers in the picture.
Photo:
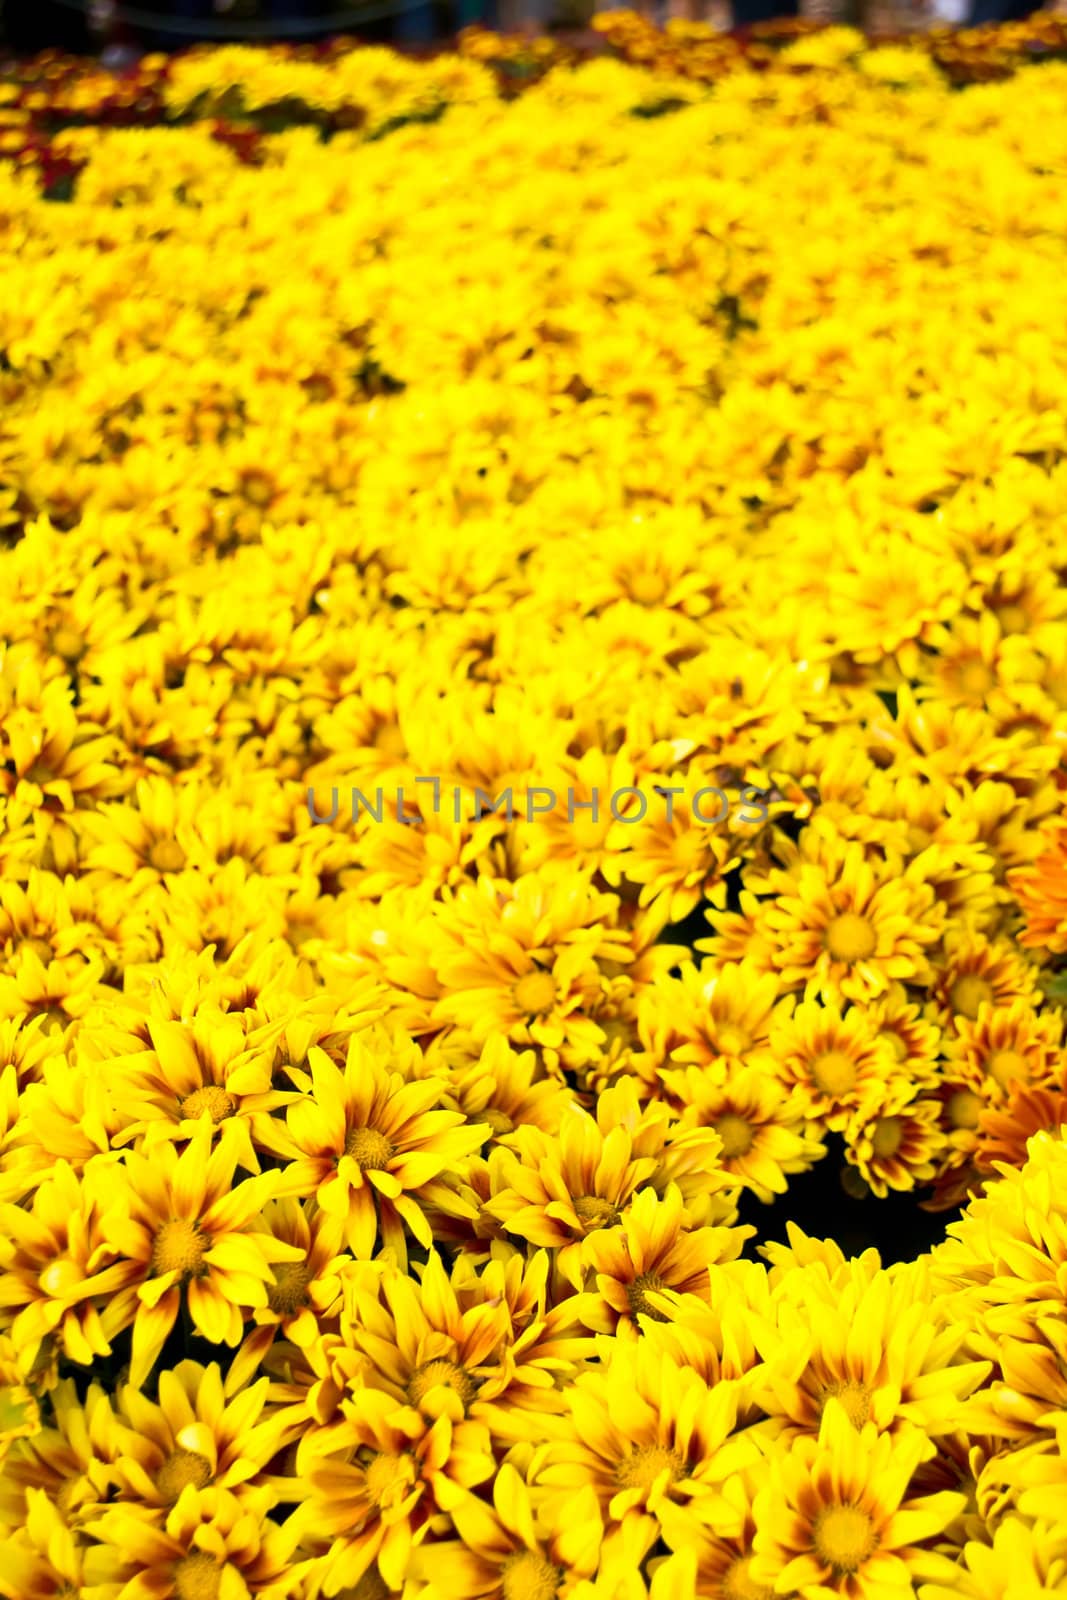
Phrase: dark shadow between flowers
(816, 1201)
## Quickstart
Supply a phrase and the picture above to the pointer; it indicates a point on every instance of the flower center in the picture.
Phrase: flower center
(736, 1134)
(975, 677)
(535, 992)
(389, 1478)
(732, 1040)
(647, 587)
(888, 1136)
(289, 1291)
(1006, 1067)
(963, 1108)
(499, 1121)
(433, 1374)
(970, 992)
(638, 1291)
(179, 1247)
(197, 1577)
(646, 1463)
(166, 855)
(834, 1072)
(844, 1538)
(851, 938)
(739, 1584)
(369, 1149)
(181, 1468)
(854, 1396)
(594, 1212)
(257, 487)
(211, 1099)
(526, 1575)
(1012, 617)
(68, 644)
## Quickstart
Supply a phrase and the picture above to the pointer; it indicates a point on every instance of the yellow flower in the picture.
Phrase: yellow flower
(845, 927)
(377, 1478)
(211, 1543)
(531, 959)
(554, 1191)
(763, 1138)
(899, 1148)
(183, 1232)
(834, 1063)
(1041, 890)
(834, 1516)
(871, 1341)
(1022, 1555)
(652, 1250)
(373, 1149)
(1006, 1047)
(643, 1434)
(502, 1550)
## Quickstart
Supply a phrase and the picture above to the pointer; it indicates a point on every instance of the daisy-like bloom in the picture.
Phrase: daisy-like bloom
(372, 1149)
(376, 1479)
(60, 1275)
(193, 1435)
(305, 1295)
(577, 830)
(201, 1068)
(71, 1457)
(553, 1191)
(723, 1548)
(1041, 891)
(1003, 1262)
(413, 1339)
(53, 761)
(976, 971)
(763, 1137)
(686, 1151)
(834, 1517)
(530, 960)
(715, 1016)
(743, 936)
(183, 1233)
(1021, 1556)
(211, 1544)
(643, 1433)
(679, 855)
(913, 1039)
(834, 1064)
(651, 1250)
(1006, 1047)
(139, 841)
(503, 1088)
(45, 1557)
(26, 1047)
(547, 1344)
(901, 1147)
(59, 993)
(845, 926)
(870, 1341)
(712, 1334)
(507, 1550)
(1004, 1132)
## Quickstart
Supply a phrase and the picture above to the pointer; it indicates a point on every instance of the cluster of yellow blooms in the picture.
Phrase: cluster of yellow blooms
(371, 1190)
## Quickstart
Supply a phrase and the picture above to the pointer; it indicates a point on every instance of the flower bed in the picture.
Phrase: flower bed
(532, 720)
